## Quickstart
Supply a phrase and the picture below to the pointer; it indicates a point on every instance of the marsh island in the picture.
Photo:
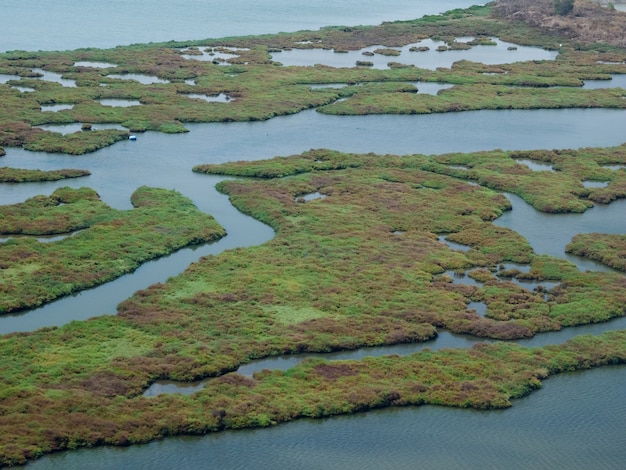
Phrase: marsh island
(369, 249)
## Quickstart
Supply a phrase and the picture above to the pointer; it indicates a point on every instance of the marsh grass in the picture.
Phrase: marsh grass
(18, 175)
(605, 248)
(261, 89)
(361, 267)
(111, 243)
(553, 192)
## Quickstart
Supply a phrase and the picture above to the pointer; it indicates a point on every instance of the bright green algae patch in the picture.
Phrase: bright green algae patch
(259, 88)
(111, 242)
(18, 175)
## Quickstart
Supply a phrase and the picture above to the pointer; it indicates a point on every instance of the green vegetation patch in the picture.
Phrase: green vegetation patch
(483, 377)
(259, 88)
(605, 248)
(555, 191)
(18, 175)
(362, 266)
(290, 316)
(110, 243)
(64, 211)
(475, 97)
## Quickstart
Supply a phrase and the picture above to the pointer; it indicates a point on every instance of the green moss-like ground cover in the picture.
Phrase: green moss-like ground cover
(361, 267)
(18, 175)
(64, 211)
(561, 190)
(605, 248)
(474, 97)
(261, 89)
(111, 242)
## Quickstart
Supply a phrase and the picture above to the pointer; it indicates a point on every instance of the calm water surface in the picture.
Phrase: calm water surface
(432, 59)
(72, 24)
(576, 421)
(166, 160)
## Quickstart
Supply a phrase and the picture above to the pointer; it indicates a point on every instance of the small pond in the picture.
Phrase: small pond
(430, 59)
(536, 165)
(319, 86)
(139, 77)
(310, 197)
(431, 88)
(78, 127)
(454, 246)
(95, 65)
(119, 103)
(595, 184)
(54, 77)
(56, 107)
(5, 77)
(221, 98)
(24, 89)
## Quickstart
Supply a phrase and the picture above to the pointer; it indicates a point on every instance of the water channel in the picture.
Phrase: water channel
(165, 160)
(575, 421)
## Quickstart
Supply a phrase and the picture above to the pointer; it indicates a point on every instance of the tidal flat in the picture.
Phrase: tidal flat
(360, 265)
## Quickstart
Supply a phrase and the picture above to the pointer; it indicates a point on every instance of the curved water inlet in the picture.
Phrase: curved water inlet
(444, 340)
(242, 231)
(550, 233)
(41, 238)
(161, 160)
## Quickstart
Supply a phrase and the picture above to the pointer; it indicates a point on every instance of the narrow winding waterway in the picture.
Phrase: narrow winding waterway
(577, 421)
(165, 161)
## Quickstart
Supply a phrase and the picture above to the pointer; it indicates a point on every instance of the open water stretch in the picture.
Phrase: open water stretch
(71, 24)
(165, 161)
(576, 421)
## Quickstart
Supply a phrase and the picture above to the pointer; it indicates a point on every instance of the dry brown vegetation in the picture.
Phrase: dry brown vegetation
(588, 22)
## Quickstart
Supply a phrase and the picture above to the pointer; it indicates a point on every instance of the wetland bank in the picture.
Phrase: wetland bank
(362, 266)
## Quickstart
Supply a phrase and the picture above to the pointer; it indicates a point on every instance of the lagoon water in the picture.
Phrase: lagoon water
(71, 24)
(576, 421)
